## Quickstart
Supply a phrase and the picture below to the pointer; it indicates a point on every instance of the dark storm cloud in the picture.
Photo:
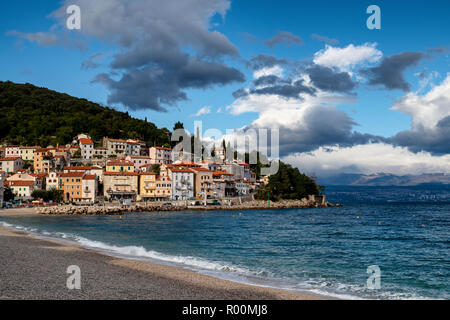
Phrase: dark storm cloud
(321, 127)
(283, 38)
(152, 69)
(266, 80)
(154, 87)
(265, 61)
(325, 39)
(436, 140)
(329, 79)
(390, 71)
(92, 62)
(282, 88)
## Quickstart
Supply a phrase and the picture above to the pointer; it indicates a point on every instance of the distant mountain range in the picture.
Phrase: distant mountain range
(385, 179)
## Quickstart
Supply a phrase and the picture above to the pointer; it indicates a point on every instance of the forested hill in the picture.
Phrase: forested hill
(30, 115)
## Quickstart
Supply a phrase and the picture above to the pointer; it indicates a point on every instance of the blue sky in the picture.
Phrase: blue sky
(242, 26)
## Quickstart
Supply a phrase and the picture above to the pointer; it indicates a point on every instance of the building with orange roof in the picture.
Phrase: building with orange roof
(120, 185)
(12, 151)
(21, 189)
(163, 189)
(203, 182)
(72, 186)
(119, 165)
(160, 155)
(139, 161)
(86, 148)
(89, 188)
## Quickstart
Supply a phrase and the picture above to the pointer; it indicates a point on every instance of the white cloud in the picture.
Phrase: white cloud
(348, 57)
(428, 109)
(369, 159)
(202, 111)
(269, 71)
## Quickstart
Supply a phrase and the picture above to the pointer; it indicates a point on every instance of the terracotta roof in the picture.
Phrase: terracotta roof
(119, 163)
(201, 169)
(27, 147)
(86, 141)
(38, 175)
(89, 177)
(20, 183)
(9, 158)
(163, 148)
(220, 173)
(181, 170)
(79, 168)
(72, 174)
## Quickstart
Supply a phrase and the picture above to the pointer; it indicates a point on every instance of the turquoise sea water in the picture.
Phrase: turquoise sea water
(323, 250)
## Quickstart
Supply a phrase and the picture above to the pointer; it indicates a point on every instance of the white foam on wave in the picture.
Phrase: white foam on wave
(221, 270)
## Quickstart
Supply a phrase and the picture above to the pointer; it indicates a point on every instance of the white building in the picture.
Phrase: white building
(52, 181)
(182, 183)
(160, 155)
(242, 187)
(133, 148)
(87, 148)
(22, 189)
(89, 188)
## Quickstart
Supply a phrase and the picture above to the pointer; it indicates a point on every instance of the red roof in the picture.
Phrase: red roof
(72, 174)
(220, 173)
(20, 183)
(181, 170)
(119, 163)
(9, 159)
(89, 177)
(86, 141)
(201, 169)
(79, 168)
(163, 148)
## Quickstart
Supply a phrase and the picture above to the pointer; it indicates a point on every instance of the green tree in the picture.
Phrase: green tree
(8, 194)
(288, 183)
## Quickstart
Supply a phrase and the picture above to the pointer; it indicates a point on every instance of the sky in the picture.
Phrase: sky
(345, 98)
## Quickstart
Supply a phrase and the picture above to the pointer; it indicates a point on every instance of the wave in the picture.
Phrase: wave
(221, 270)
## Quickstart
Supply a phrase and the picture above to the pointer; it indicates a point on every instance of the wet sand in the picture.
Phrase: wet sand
(34, 268)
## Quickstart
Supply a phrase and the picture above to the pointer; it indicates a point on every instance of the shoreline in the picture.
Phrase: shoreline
(22, 248)
(139, 207)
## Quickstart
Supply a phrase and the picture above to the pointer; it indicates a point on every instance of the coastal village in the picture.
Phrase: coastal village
(123, 172)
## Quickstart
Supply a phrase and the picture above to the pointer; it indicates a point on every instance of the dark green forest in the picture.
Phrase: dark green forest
(289, 183)
(31, 115)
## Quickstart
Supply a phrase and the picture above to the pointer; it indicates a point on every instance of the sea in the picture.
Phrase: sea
(383, 243)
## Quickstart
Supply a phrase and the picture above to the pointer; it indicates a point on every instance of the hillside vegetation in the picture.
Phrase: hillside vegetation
(30, 115)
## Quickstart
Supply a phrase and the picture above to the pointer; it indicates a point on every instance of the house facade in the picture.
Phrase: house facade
(120, 185)
(183, 183)
(147, 185)
(11, 164)
(160, 155)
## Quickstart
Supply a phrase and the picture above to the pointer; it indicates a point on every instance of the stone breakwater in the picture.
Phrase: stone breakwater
(254, 204)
